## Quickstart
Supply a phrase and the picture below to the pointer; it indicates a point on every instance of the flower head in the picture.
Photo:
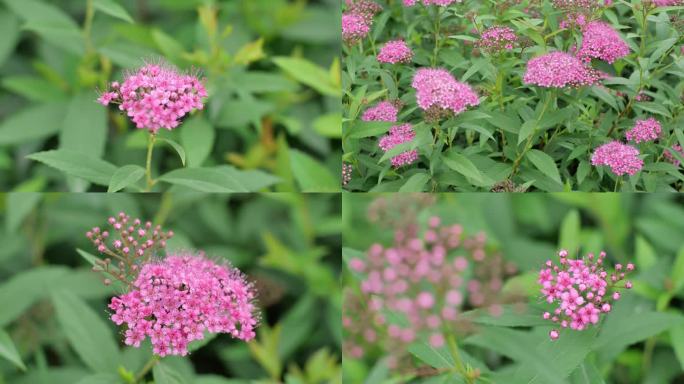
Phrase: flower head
(347, 170)
(580, 289)
(441, 3)
(395, 51)
(354, 27)
(497, 39)
(437, 88)
(559, 70)
(621, 158)
(400, 134)
(644, 130)
(670, 157)
(600, 41)
(383, 111)
(156, 96)
(175, 300)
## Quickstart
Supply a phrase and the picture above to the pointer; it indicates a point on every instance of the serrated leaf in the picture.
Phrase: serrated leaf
(165, 374)
(544, 163)
(462, 165)
(77, 164)
(19, 205)
(125, 177)
(87, 333)
(309, 74)
(30, 123)
(570, 232)
(177, 147)
(197, 137)
(415, 183)
(9, 351)
(85, 126)
(311, 175)
(220, 179)
(112, 8)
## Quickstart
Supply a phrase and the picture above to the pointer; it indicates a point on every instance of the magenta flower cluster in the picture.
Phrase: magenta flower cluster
(156, 96)
(600, 41)
(357, 20)
(496, 39)
(668, 3)
(347, 170)
(441, 3)
(644, 130)
(383, 111)
(670, 157)
(559, 70)
(621, 158)
(437, 88)
(580, 289)
(175, 300)
(395, 51)
(400, 134)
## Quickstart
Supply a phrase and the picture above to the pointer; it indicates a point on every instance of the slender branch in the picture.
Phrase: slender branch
(148, 165)
(150, 364)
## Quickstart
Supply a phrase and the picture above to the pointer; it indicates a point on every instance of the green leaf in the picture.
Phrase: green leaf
(87, 333)
(9, 30)
(197, 137)
(586, 373)
(177, 147)
(462, 165)
(645, 254)
(311, 175)
(125, 177)
(77, 164)
(329, 125)
(617, 333)
(112, 8)
(165, 374)
(545, 164)
(19, 205)
(309, 74)
(678, 271)
(415, 183)
(363, 129)
(171, 48)
(31, 123)
(677, 338)
(220, 179)
(570, 233)
(101, 378)
(33, 88)
(85, 126)
(23, 289)
(439, 358)
(9, 351)
(526, 130)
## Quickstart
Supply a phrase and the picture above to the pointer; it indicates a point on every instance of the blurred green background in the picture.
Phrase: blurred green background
(288, 244)
(643, 339)
(271, 71)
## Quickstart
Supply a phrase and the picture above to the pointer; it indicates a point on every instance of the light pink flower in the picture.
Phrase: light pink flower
(580, 289)
(400, 134)
(395, 51)
(670, 157)
(621, 158)
(644, 130)
(383, 111)
(497, 39)
(437, 88)
(354, 27)
(347, 170)
(559, 70)
(175, 300)
(156, 96)
(601, 41)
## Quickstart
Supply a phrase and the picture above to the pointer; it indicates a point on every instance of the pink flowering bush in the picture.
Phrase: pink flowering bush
(470, 288)
(516, 95)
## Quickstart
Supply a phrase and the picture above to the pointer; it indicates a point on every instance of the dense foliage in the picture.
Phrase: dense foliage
(271, 119)
(55, 326)
(503, 337)
(527, 93)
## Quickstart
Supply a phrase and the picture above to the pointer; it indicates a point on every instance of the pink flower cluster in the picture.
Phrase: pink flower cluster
(400, 134)
(441, 3)
(383, 111)
(129, 243)
(581, 289)
(559, 70)
(496, 39)
(621, 158)
(668, 3)
(600, 41)
(644, 130)
(670, 157)
(395, 51)
(437, 88)
(156, 96)
(577, 5)
(347, 170)
(420, 278)
(357, 20)
(175, 300)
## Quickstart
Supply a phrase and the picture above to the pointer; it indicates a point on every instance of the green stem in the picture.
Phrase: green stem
(528, 145)
(88, 24)
(150, 364)
(438, 27)
(148, 164)
(453, 348)
(617, 184)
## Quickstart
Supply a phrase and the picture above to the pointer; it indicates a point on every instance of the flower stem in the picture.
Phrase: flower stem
(148, 165)
(453, 348)
(88, 24)
(150, 364)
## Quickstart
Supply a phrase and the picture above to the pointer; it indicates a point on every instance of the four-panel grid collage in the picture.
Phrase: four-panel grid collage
(341, 191)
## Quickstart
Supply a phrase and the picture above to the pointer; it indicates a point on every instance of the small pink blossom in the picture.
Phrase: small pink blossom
(437, 88)
(354, 27)
(559, 70)
(156, 96)
(395, 51)
(667, 154)
(383, 111)
(498, 38)
(644, 130)
(400, 134)
(601, 41)
(621, 158)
